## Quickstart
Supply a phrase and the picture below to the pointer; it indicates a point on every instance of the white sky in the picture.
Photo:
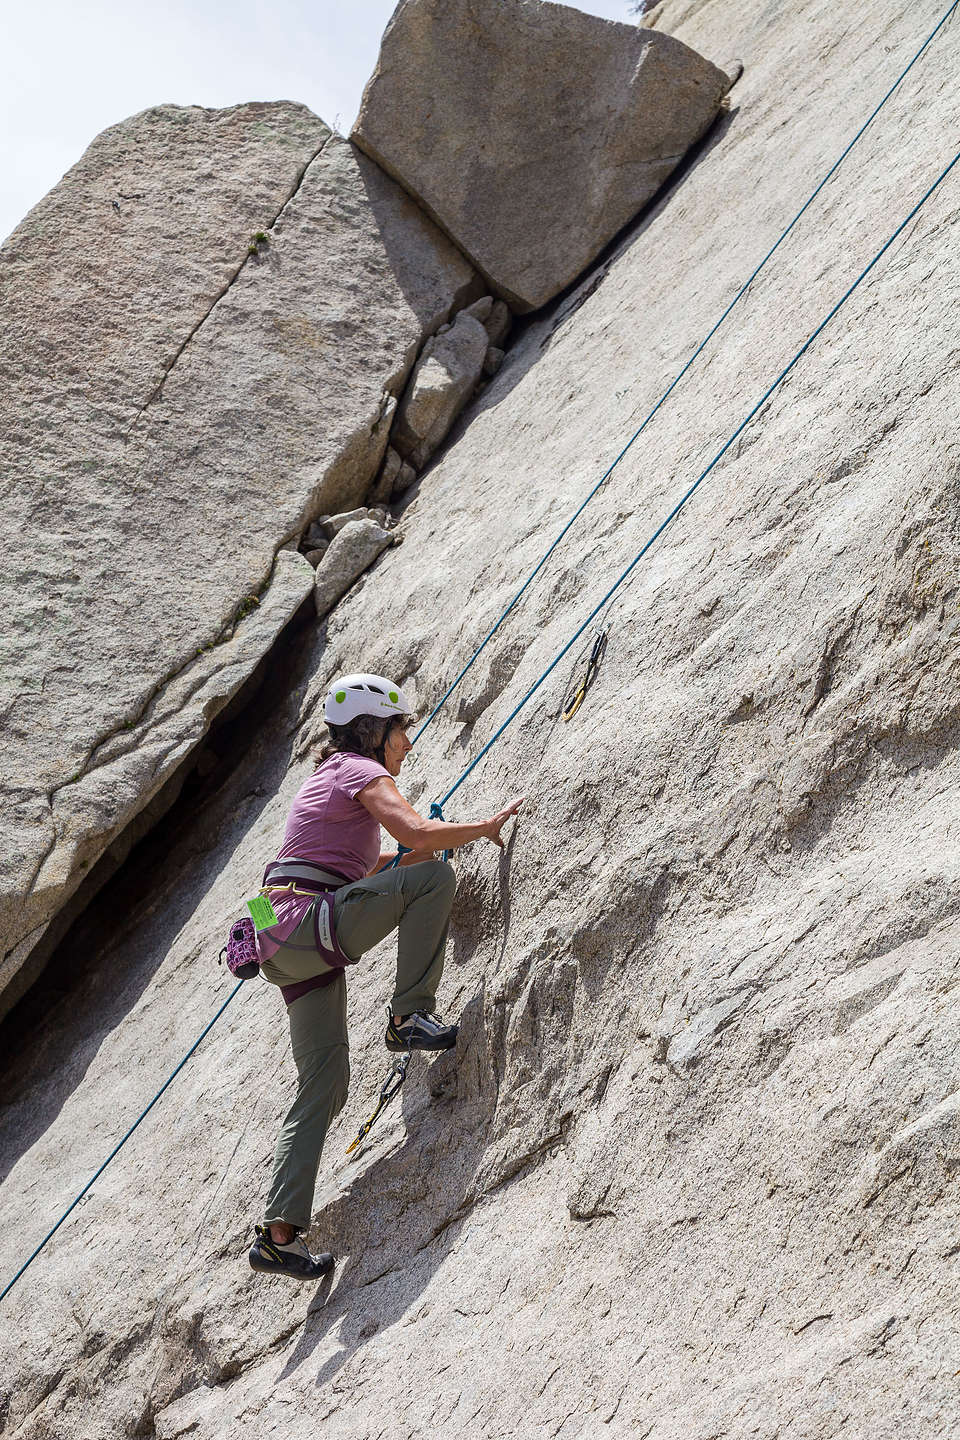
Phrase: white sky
(70, 68)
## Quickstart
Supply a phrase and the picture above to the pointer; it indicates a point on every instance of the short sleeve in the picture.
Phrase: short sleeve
(356, 772)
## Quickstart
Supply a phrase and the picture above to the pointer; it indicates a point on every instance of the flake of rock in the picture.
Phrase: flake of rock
(583, 120)
(441, 384)
(351, 552)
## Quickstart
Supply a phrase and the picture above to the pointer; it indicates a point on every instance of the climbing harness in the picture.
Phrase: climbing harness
(399, 1069)
(390, 1088)
(590, 674)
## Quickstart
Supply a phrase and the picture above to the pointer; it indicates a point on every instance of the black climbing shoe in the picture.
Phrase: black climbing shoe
(294, 1259)
(420, 1031)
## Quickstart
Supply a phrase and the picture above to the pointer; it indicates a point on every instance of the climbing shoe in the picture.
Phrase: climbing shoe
(420, 1031)
(294, 1259)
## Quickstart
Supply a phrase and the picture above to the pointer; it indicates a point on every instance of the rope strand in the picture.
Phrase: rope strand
(436, 810)
(703, 475)
(679, 376)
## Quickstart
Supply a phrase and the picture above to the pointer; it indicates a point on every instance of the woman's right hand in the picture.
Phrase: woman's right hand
(496, 824)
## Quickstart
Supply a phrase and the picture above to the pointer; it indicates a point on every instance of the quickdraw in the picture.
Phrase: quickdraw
(590, 674)
(390, 1088)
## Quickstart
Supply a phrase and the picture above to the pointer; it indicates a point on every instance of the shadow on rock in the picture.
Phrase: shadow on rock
(98, 973)
(392, 1220)
(534, 333)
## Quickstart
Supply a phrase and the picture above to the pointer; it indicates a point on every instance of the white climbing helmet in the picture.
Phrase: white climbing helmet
(353, 695)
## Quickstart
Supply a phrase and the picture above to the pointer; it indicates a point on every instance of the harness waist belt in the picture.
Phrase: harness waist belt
(323, 883)
(280, 872)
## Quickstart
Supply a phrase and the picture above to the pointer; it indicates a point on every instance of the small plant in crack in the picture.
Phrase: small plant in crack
(244, 608)
(260, 238)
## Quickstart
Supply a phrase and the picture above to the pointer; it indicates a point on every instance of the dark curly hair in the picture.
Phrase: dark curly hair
(365, 735)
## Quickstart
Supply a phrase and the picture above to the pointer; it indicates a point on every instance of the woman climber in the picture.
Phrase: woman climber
(334, 901)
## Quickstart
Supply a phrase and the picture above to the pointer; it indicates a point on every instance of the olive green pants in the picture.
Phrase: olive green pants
(416, 900)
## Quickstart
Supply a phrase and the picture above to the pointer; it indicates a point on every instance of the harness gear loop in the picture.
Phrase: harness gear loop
(590, 674)
(291, 889)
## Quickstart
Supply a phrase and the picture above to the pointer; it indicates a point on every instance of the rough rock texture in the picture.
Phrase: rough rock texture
(180, 399)
(694, 1170)
(498, 324)
(492, 361)
(353, 550)
(531, 132)
(444, 379)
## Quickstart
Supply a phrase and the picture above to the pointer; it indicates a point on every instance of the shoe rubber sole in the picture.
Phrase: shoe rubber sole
(436, 1044)
(264, 1266)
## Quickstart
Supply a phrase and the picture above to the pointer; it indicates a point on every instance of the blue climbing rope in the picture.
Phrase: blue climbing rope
(679, 376)
(436, 809)
(699, 481)
(120, 1143)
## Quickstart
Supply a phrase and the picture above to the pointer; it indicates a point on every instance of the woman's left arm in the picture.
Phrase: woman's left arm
(412, 857)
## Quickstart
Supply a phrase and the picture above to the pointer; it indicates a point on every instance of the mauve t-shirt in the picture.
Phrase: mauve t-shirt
(328, 826)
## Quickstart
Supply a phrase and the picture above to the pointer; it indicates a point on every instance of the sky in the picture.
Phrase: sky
(69, 69)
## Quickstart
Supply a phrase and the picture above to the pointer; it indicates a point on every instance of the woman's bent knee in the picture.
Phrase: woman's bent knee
(443, 875)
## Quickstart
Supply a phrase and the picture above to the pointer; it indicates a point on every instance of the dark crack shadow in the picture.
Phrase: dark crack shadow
(397, 1218)
(532, 334)
(49, 1038)
(503, 879)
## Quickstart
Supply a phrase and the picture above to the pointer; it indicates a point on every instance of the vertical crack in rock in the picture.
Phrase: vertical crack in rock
(157, 391)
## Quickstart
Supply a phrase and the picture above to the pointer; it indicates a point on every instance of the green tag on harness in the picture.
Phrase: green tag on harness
(262, 912)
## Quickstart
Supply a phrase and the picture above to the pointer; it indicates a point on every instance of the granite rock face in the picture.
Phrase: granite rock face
(351, 552)
(692, 1171)
(444, 379)
(195, 376)
(530, 131)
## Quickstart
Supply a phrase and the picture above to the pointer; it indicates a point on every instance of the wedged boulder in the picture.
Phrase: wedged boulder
(531, 132)
(492, 361)
(190, 379)
(498, 324)
(494, 316)
(353, 550)
(442, 383)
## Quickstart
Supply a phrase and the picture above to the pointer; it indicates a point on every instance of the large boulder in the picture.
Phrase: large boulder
(210, 319)
(531, 132)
